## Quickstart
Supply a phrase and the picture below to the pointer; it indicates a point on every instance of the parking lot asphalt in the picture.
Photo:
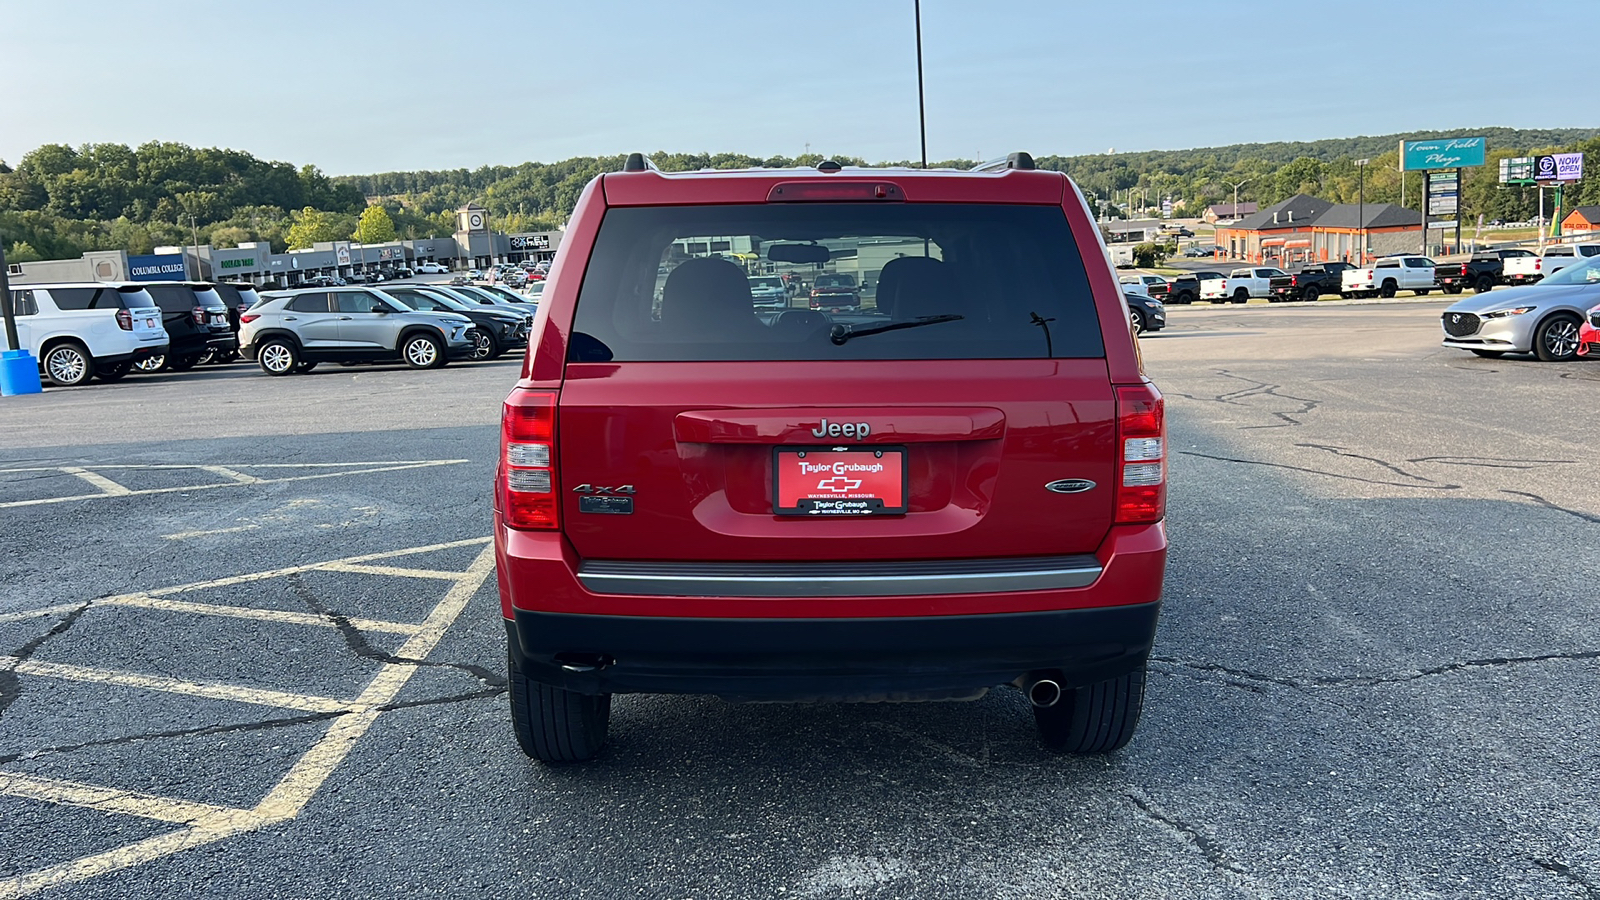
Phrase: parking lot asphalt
(249, 647)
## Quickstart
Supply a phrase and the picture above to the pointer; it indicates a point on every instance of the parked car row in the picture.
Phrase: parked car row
(80, 331)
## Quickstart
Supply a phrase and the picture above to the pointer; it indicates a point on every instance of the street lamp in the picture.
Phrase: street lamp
(1361, 207)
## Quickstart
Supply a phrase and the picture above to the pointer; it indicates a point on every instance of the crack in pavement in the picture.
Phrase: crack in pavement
(1433, 486)
(239, 727)
(1342, 452)
(1258, 389)
(10, 684)
(1491, 462)
(1369, 680)
(358, 644)
(1565, 871)
(1547, 504)
(1207, 847)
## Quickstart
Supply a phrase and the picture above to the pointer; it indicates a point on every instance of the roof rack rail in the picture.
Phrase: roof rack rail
(638, 162)
(1018, 160)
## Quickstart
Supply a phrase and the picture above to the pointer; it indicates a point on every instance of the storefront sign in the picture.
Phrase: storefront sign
(342, 254)
(157, 267)
(1442, 153)
(530, 242)
(243, 262)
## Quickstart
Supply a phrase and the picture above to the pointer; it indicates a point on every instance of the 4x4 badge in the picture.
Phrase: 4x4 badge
(591, 489)
(1070, 486)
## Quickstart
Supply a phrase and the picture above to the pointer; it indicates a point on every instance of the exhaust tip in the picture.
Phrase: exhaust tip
(1044, 693)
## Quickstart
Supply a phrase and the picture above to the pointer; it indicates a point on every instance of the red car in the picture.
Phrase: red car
(960, 488)
(1589, 335)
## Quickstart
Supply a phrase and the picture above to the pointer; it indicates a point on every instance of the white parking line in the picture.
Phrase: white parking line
(183, 535)
(209, 824)
(111, 488)
(208, 690)
(112, 800)
(145, 601)
(41, 612)
(107, 487)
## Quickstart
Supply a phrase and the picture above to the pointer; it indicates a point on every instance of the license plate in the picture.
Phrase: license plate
(149, 323)
(839, 481)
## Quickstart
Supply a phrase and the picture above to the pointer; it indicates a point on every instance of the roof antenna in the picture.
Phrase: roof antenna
(922, 112)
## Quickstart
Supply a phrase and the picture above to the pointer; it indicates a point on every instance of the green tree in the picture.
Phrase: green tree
(21, 252)
(375, 226)
(310, 226)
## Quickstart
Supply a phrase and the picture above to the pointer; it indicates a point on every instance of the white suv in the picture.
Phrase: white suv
(88, 329)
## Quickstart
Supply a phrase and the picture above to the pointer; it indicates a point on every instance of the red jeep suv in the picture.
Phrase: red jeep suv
(956, 485)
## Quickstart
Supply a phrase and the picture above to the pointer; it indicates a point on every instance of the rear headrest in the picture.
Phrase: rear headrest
(706, 293)
(899, 272)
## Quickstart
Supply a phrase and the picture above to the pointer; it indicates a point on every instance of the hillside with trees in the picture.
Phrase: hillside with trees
(58, 201)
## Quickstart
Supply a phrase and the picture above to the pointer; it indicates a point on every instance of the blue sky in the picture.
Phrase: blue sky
(357, 87)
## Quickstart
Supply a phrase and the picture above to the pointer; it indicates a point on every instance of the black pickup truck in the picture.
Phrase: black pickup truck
(1482, 272)
(1307, 284)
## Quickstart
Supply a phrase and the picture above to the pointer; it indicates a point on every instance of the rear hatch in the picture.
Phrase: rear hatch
(1283, 284)
(690, 429)
(143, 316)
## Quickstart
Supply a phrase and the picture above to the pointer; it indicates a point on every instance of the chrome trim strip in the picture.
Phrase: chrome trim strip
(894, 579)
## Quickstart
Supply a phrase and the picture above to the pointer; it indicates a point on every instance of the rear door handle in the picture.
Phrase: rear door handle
(344, 318)
(291, 318)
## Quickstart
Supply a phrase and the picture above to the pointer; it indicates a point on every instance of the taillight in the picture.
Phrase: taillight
(249, 317)
(1538, 264)
(527, 461)
(1294, 281)
(1463, 270)
(198, 314)
(124, 320)
(1142, 441)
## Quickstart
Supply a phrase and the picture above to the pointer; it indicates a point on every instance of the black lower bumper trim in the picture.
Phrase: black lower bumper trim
(816, 658)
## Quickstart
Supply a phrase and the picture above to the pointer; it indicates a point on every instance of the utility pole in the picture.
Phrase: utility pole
(1361, 209)
(1236, 197)
(194, 225)
(922, 114)
(19, 371)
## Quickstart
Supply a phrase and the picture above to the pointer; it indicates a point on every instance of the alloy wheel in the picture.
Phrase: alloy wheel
(1561, 339)
(67, 366)
(277, 358)
(481, 346)
(421, 353)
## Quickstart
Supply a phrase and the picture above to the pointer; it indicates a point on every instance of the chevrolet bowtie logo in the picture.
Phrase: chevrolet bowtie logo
(838, 484)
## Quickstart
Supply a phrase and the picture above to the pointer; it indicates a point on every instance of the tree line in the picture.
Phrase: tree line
(59, 201)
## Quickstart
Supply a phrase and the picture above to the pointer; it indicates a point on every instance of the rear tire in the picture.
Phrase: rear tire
(1453, 289)
(1136, 321)
(1241, 296)
(1387, 290)
(113, 373)
(484, 346)
(555, 725)
(1485, 285)
(278, 357)
(1098, 718)
(1310, 295)
(183, 363)
(1556, 338)
(67, 364)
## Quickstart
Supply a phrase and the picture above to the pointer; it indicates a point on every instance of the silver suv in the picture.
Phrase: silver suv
(291, 331)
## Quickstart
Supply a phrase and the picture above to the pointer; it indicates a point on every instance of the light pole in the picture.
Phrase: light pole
(1236, 196)
(194, 226)
(1361, 208)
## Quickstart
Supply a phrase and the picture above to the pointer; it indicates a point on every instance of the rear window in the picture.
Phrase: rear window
(236, 295)
(771, 283)
(96, 298)
(173, 298)
(962, 281)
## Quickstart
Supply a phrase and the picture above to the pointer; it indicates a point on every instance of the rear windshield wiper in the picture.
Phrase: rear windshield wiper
(841, 333)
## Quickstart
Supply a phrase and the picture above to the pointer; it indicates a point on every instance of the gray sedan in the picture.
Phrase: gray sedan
(1541, 319)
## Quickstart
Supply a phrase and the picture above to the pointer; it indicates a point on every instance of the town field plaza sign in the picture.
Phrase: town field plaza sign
(1442, 153)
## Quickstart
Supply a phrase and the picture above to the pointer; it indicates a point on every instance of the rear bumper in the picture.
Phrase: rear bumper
(849, 658)
(822, 645)
(138, 354)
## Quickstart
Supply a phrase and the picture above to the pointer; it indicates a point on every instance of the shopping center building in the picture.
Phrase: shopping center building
(474, 245)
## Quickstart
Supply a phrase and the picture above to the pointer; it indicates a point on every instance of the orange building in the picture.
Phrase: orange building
(1582, 219)
(1305, 229)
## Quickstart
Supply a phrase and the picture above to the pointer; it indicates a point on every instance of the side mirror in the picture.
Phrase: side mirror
(382, 310)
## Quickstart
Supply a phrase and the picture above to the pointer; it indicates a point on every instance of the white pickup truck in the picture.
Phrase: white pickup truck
(1529, 269)
(1240, 285)
(1387, 275)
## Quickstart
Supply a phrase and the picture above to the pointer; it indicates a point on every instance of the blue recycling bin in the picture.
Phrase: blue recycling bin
(19, 373)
